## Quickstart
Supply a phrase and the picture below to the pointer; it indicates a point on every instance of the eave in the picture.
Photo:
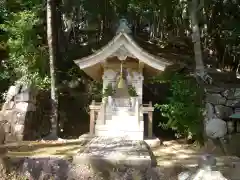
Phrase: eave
(123, 41)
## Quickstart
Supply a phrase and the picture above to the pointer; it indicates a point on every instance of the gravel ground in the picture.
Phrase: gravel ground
(59, 169)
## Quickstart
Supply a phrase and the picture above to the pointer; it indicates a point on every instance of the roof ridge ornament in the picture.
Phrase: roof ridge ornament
(123, 27)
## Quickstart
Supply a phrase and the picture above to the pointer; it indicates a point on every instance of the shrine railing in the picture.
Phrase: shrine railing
(98, 114)
(94, 113)
(148, 109)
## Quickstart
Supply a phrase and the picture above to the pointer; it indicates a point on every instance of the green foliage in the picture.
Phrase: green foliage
(24, 56)
(96, 90)
(108, 91)
(27, 62)
(183, 109)
(132, 91)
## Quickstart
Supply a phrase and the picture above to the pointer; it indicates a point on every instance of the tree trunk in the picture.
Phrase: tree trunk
(196, 38)
(200, 70)
(52, 44)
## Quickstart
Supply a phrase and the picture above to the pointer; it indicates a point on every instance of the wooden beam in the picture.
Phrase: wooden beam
(140, 66)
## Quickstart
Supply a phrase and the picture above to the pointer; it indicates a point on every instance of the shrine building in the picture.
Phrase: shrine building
(122, 65)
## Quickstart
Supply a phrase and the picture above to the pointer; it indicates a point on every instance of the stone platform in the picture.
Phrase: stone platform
(115, 152)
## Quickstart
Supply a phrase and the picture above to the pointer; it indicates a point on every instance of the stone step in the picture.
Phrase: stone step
(120, 126)
(116, 113)
(131, 135)
(125, 117)
(118, 121)
(106, 127)
(125, 125)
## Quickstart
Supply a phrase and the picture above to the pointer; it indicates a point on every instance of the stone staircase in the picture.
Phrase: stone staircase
(120, 117)
(121, 123)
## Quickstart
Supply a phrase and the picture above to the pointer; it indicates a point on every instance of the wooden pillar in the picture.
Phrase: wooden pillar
(150, 117)
(92, 119)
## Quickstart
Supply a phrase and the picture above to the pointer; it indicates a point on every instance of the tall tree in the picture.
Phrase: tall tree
(52, 44)
(194, 9)
(199, 67)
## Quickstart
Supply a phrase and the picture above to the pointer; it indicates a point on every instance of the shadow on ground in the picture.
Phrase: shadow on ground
(48, 167)
(56, 161)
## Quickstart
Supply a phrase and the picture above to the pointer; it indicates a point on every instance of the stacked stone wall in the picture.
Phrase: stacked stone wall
(220, 101)
(220, 104)
(19, 117)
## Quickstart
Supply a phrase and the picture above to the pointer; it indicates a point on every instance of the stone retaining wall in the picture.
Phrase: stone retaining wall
(19, 116)
(220, 103)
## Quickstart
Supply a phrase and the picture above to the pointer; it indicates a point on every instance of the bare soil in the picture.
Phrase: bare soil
(175, 156)
(172, 158)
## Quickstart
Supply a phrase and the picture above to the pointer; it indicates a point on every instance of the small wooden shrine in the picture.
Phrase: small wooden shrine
(122, 65)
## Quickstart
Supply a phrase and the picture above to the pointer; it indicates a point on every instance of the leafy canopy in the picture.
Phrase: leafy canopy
(27, 60)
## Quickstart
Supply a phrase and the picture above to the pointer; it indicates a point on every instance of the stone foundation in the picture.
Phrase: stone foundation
(19, 106)
(115, 152)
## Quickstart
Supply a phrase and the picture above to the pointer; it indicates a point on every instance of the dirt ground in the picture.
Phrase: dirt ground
(172, 157)
(176, 156)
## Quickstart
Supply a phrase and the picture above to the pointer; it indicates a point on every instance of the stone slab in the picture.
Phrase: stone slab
(115, 152)
(153, 142)
(86, 137)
